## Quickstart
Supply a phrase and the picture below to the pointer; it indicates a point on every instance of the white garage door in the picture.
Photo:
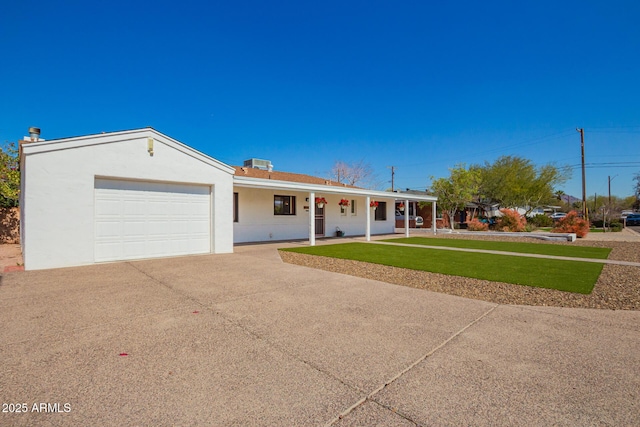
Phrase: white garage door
(147, 220)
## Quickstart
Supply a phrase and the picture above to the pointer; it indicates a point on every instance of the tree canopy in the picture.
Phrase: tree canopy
(455, 191)
(9, 176)
(513, 181)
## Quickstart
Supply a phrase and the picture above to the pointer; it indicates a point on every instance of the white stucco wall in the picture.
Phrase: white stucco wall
(58, 197)
(257, 222)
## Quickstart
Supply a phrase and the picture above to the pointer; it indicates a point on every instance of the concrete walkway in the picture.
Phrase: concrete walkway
(245, 339)
(628, 234)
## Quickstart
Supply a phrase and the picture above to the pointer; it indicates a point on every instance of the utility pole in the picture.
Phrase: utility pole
(606, 209)
(585, 211)
(611, 179)
(393, 172)
(609, 209)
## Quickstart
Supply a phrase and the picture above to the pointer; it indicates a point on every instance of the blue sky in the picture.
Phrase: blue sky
(419, 85)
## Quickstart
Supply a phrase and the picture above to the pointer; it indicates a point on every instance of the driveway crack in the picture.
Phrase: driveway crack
(371, 395)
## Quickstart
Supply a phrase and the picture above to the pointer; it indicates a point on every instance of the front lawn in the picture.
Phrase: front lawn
(569, 276)
(520, 247)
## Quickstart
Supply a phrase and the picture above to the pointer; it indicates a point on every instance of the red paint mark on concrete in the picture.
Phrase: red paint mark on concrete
(196, 312)
(123, 354)
(12, 268)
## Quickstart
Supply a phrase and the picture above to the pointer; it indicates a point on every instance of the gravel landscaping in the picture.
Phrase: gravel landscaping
(618, 287)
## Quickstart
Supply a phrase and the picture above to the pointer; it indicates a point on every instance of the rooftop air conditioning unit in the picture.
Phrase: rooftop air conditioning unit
(259, 164)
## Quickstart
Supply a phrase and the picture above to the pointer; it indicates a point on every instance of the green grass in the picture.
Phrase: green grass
(520, 247)
(569, 276)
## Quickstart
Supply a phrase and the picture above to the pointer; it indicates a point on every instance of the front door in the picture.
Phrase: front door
(319, 221)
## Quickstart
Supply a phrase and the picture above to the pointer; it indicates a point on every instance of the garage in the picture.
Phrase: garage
(117, 196)
(136, 220)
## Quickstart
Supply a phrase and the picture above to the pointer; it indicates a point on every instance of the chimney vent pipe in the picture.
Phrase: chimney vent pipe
(34, 133)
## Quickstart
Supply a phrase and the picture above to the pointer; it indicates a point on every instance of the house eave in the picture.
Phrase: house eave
(241, 181)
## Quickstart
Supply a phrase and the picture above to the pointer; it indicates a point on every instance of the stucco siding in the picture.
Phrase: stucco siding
(258, 223)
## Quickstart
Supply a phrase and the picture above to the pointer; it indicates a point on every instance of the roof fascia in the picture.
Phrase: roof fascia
(241, 181)
(195, 153)
(112, 137)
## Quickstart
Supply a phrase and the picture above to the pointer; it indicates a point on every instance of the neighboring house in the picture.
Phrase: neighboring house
(141, 194)
(420, 215)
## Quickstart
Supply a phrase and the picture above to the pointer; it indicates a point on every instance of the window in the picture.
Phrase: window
(235, 207)
(354, 211)
(284, 205)
(381, 211)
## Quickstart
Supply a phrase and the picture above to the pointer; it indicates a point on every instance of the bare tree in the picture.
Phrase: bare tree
(359, 174)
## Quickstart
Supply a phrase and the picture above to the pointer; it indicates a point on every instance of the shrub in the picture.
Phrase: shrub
(511, 221)
(477, 225)
(572, 224)
(541, 221)
(614, 225)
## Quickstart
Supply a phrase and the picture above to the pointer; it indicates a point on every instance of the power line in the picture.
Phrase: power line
(534, 141)
(591, 129)
(615, 132)
(606, 165)
(558, 135)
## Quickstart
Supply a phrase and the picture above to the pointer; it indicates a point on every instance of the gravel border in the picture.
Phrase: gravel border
(617, 288)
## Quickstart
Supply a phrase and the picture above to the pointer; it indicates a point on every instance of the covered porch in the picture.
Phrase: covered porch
(311, 211)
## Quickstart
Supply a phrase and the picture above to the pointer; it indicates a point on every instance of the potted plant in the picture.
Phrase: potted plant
(343, 202)
(373, 205)
(401, 207)
(321, 201)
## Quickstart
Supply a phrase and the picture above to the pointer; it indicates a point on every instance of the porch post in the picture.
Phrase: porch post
(367, 233)
(312, 219)
(433, 217)
(406, 218)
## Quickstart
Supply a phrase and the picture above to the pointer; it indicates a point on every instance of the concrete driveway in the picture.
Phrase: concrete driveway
(244, 339)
